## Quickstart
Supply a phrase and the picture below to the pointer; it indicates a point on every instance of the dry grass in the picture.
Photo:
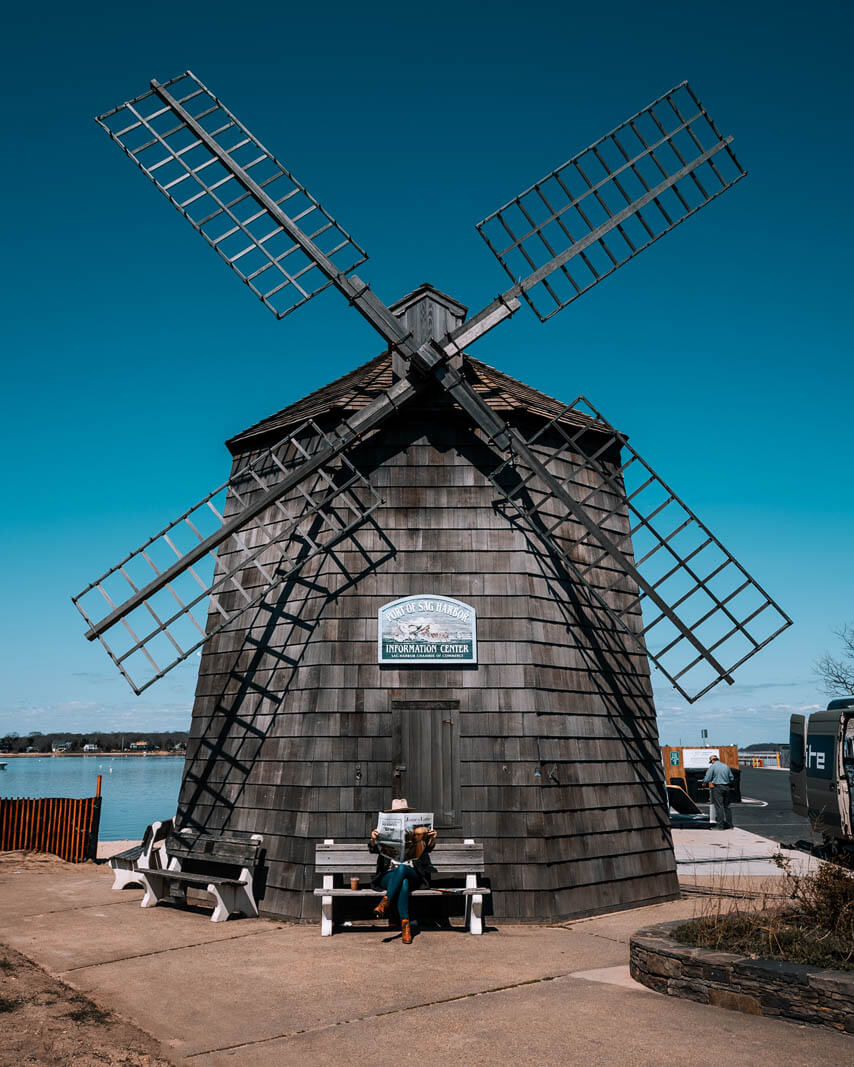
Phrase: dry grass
(812, 923)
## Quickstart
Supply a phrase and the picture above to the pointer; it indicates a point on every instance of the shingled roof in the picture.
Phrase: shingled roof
(357, 389)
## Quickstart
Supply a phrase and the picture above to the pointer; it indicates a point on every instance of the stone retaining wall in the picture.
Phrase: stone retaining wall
(758, 987)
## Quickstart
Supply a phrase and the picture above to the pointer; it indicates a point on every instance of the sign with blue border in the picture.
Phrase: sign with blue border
(426, 628)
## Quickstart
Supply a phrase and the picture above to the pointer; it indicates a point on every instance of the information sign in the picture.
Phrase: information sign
(426, 628)
(696, 758)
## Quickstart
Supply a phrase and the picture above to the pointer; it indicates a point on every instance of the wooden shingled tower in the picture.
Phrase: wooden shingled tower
(426, 578)
(547, 750)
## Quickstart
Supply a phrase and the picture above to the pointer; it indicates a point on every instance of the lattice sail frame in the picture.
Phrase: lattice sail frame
(698, 580)
(322, 510)
(670, 157)
(212, 199)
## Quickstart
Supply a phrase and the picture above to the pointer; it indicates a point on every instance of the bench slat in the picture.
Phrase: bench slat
(194, 878)
(229, 857)
(128, 858)
(236, 849)
(353, 857)
(448, 855)
(451, 857)
(413, 892)
(438, 848)
(240, 837)
(351, 867)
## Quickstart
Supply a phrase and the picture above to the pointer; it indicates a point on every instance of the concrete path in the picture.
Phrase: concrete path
(260, 992)
(733, 853)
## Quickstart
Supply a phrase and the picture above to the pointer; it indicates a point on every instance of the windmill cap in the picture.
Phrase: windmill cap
(428, 292)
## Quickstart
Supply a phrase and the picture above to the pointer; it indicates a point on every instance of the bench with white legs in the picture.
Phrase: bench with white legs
(335, 861)
(221, 864)
(150, 853)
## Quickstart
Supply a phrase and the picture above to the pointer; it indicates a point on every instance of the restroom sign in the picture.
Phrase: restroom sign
(426, 628)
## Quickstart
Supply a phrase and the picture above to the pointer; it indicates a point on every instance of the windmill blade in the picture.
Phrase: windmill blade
(708, 616)
(695, 610)
(601, 208)
(246, 204)
(160, 592)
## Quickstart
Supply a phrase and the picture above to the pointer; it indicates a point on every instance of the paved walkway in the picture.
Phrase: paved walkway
(260, 992)
(733, 853)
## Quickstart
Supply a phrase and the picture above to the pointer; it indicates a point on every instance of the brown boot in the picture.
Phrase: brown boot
(381, 908)
(406, 932)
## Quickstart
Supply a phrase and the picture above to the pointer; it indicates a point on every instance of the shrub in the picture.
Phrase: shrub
(814, 923)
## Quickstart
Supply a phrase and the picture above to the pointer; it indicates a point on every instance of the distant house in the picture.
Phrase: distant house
(140, 746)
(60, 746)
(91, 748)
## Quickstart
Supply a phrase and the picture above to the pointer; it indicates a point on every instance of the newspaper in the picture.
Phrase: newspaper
(394, 832)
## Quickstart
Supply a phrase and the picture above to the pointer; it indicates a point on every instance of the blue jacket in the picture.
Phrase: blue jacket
(719, 774)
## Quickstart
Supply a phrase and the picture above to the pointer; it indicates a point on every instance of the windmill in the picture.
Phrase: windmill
(277, 575)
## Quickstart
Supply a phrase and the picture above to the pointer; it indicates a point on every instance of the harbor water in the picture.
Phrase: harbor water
(136, 790)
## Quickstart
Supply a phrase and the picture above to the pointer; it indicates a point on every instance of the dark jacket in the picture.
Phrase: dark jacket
(422, 867)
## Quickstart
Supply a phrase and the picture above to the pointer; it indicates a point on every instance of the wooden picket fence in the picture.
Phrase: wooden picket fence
(65, 826)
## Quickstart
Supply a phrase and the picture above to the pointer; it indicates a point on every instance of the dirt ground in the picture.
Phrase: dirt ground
(45, 1022)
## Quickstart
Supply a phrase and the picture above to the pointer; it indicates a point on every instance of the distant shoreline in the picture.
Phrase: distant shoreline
(87, 755)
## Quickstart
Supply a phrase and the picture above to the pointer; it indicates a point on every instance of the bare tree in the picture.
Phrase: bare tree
(837, 673)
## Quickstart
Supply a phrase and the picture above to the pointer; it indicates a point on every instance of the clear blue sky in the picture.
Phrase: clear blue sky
(131, 352)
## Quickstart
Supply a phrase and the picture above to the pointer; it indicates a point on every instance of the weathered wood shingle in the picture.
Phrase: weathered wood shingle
(356, 389)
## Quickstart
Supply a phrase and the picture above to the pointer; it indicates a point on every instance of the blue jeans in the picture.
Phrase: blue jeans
(396, 883)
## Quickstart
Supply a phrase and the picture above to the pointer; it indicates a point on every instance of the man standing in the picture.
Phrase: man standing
(719, 778)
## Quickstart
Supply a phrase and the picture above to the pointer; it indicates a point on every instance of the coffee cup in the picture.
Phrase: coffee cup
(354, 883)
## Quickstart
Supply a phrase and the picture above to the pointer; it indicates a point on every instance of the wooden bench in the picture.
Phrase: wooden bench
(151, 853)
(222, 864)
(452, 859)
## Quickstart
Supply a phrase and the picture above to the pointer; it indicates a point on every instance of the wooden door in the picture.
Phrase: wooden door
(426, 755)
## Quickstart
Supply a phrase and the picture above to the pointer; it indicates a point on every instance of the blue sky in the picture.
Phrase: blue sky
(724, 351)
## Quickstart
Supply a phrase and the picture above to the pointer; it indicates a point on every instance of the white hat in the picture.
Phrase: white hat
(400, 804)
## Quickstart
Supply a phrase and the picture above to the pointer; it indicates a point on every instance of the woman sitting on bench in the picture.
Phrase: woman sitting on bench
(397, 878)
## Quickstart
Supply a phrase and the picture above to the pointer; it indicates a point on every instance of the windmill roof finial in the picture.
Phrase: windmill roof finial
(428, 314)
